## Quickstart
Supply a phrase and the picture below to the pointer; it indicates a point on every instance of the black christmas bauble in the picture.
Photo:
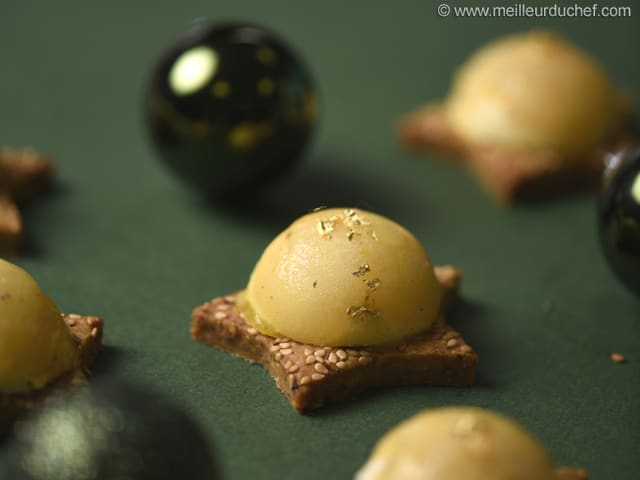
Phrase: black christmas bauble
(111, 432)
(619, 216)
(230, 107)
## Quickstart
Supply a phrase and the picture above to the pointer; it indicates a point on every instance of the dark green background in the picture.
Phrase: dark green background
(123, 239)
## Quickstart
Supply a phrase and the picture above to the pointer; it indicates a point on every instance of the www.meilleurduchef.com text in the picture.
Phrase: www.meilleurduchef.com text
(523, 10)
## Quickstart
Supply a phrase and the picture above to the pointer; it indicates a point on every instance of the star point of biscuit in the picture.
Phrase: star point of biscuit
(24, 173)
(509, 174)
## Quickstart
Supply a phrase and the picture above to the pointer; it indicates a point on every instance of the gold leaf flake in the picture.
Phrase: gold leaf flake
(352, 219)
(373, 284)
(362, 270)
(325, 227)
(363, 312)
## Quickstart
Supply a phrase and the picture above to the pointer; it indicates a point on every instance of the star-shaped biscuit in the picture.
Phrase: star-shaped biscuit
(312, 376)
(530, 115)
(23, 174)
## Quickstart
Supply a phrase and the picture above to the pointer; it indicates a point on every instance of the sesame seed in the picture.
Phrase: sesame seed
(292, 379)
(466, 349)
(242, 316)
(251, 331)
(353, 352)
(220, 315)
(287, 365)
(230, 299)
(304, 380)
(286, 351)
(274, 348)
(293, 368)
(618, 358)
(365, 353)
(342, 355)
(71, 322)
(452, 342)
(308, 351)
(326, 349)
(341, 364)
(92, 321)
(74, 316)
(317, 376)
(450, 334)
(285, 345)
(278, 356)
(224, 306)
(364, 360)
(318, 367)
(231, 330)
(333, 358)
(310, 359)
(94, 332)
(319, 353)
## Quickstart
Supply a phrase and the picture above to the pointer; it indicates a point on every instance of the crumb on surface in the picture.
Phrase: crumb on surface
(618, 358)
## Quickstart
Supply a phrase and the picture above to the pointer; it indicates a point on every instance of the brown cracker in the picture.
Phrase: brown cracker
(510, 174)
(86, 331)
(312, 376)
(23, 174)
(10, 226)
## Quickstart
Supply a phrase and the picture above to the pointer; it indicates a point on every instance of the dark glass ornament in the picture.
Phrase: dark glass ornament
(619, 215)
(110, 432)
(230, 107)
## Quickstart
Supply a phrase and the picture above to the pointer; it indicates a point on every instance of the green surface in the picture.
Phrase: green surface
(123, 239)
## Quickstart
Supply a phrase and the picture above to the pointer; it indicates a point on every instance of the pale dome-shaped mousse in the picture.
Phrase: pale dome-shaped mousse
(341, 277)
(455, 443)
(35, 344)
(533, 91)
